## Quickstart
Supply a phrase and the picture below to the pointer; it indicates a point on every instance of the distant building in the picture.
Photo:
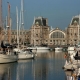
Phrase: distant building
(40, 33)
(73, 31)
(24, 35)
(57, 37)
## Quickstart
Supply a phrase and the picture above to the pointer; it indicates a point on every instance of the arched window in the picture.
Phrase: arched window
(57, 35)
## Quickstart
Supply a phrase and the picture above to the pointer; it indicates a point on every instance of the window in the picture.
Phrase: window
(57, 35)
(50, 40)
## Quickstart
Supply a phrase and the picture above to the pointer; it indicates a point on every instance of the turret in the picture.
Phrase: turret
(75, 20)
(40, 21)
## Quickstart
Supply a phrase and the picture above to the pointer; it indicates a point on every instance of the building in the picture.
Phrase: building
(41, 34)
(24, 35)
(57, 37)
(39, 31)
(73, 31)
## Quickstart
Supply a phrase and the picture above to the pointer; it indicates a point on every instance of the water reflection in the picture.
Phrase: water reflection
(46, 66)
(70, 75)
(6, 71)
(24, 70)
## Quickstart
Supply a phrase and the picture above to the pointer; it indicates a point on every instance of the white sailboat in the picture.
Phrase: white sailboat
(6, 54)
(22, 53)
(72, 61)
(8, 57)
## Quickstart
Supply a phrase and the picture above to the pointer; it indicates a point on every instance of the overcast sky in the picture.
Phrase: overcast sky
(58, 12)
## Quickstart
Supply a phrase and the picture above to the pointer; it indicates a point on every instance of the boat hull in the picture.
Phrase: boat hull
(39, 48)
(8, 58)
(58, 49)
(25, 56)
(71, 66)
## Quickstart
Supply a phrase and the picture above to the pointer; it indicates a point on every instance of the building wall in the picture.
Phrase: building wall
(40, 34)
(72, 32)
(57, 37)
(24, 36)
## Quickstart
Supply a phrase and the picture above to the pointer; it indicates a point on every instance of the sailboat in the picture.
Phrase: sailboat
(6, 54)
(22, 53)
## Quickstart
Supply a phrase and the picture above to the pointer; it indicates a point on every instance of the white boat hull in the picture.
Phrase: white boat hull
(58, 49)
(70, 66)
(43, 48)
(32, 48)
(8, 58)
(71, 48)
(38, 48)
(25, 56)
(40, 51)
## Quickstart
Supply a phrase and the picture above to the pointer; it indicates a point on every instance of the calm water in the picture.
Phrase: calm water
(46, 66)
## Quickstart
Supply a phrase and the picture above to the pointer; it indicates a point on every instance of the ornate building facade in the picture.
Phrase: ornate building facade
(57, 37)
(24, 35)
(40, 33)
(73, 31)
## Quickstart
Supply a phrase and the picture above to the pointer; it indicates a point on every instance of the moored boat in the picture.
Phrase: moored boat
(71, 49)
(58, 49)
(24, 54)
(7, 54)
(8, 58)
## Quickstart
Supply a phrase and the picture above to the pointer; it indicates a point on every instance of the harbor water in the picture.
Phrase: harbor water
(45, 66)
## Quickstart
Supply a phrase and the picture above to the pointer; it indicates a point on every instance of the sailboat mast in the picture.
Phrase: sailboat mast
(22, 12)
(17, 27)
(1, 23)
(9, 27)
(19, 24)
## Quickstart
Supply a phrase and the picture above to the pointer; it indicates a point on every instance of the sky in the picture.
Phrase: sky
(58, 12)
